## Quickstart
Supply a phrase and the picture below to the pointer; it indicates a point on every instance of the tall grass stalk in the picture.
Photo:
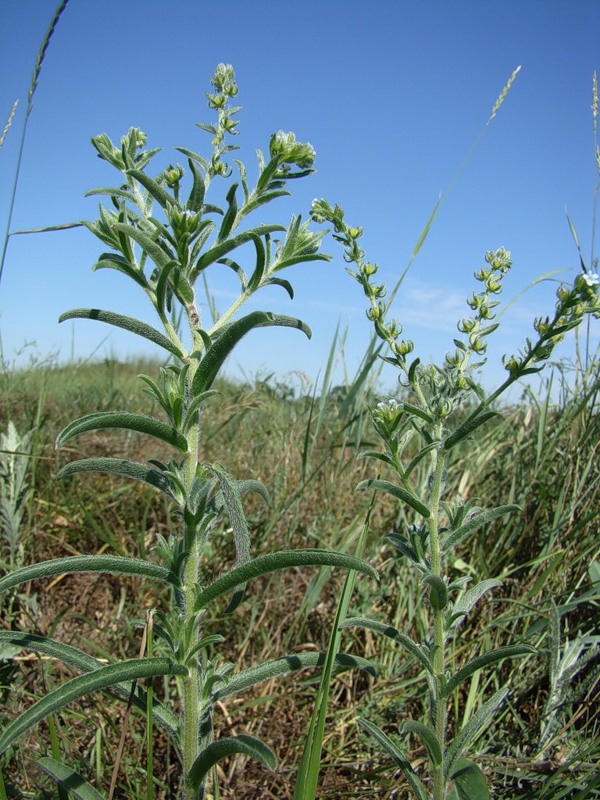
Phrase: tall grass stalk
(30, 95)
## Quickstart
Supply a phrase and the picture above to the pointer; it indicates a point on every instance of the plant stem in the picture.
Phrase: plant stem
(438, 460)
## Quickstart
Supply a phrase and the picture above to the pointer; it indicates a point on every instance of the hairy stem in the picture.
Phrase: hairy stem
(438, 464)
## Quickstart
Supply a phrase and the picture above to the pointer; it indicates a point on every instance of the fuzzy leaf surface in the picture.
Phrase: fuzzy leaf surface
(271, 562)
(392, 633)
(464, 605)
(469, 782)
(469, 731)
(113, 565)
(393, 751)
(73, 657)
(510, 651)
(467, 428)
(118, 466)
(216, 751)
(396, 491)
(102, 678)
(225, 342)
(127, 323)
(68, 779)
(284, 665)
(125, 421)
(473, 523)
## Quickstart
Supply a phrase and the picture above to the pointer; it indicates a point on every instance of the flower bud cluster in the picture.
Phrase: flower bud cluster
(572, 305)
(348, 235)
(223, 80)
(288, 151)
(498, 263)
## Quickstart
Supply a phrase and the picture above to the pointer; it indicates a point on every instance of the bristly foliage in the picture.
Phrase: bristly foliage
(164, 235)
(445, 407)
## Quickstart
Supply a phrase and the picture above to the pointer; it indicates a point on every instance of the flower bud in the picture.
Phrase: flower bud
(511, 364)
(173, 174)
(466, 325)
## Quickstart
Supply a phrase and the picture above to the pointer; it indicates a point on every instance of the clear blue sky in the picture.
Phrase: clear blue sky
(391, 94)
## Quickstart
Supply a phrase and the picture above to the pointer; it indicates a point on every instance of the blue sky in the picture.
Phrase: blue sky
(391, 94)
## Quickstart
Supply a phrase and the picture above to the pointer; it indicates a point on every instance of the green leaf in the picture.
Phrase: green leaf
(68, 779)
(121, 264)
(284, 665)
(429, 739)
(102, 678)
(392, 633)
(469, 731)
(216, 751)
(198, 189)
(271, 562)
(237, 518)
(397, 756)
(227, 339)
(462, 606)
(118, 466)
(469, 782)
(510, 651)
(112, 565)
(475, 521)
(125, 421)
(159, 193)
(396, 491)
(73, 657)
(162, 257)
(230, 214)
(468, 427)
(127, 323)
(221, 248)
(438, 592)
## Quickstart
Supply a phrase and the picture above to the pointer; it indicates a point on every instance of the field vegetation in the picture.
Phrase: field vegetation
(542, 456)
(413, 573)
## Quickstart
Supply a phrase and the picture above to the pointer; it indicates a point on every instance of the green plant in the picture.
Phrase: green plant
(445, 407)
(165, 252)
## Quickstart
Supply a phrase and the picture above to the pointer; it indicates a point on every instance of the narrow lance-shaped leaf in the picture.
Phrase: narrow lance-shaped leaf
(230, 214)
(396, 491)
(223, 345)
(285, 665)
(428, 737)
(222, 248)
(468, 427)
(73, 657)
(161, 256)
(113, 565)
(118, 466)
(126, 421)
(469, 782)
(271, 562)
(468, 732)
(158, 192)
(121, 264)
(462, 606)
(394, 752)
(510, 651)
(473, 523)
(237, 518)
(216, 751)
(127, 323)
(68, 779)
(392, 633)
(133, 669)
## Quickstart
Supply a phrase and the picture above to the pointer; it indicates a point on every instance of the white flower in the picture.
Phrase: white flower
(591, 278)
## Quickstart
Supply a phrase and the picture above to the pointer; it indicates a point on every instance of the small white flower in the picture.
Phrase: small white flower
(591, 278)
